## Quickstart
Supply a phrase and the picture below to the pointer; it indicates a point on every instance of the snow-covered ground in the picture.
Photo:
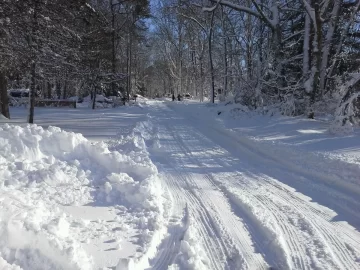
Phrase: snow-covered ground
(177, 185)
(71, 203)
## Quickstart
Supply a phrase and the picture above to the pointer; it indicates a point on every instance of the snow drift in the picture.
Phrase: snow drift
(42, 170)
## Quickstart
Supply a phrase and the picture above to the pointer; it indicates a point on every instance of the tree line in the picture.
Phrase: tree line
(301, 56)
(60, 48)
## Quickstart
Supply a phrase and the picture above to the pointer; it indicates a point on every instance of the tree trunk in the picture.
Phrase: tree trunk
(49, 86)
(113, 47)
(202, 77)
(194, 77)
(180, 91)
(94, 98)
(278, 54)
(58, 89)
(225, 59)
(65, 90)
(4, 96)
(202, 80)
(128, 82)
(33, 63)
(277, 47)
(180, 88)
(249, 45)
(306, 46)
(226, 67)
(317, 50)
(32, 92)
(231, 70)
(327, 45)
(211, 60)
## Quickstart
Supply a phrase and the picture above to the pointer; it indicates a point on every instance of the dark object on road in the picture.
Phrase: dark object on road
(219, 113)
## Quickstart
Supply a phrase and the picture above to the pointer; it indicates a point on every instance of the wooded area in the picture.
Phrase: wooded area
(64, 48)
(299, 56)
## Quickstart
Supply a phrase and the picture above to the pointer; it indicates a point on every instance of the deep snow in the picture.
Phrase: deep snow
(69, 203)
(177, 185)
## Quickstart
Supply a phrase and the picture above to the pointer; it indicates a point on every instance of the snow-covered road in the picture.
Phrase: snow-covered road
(169, 185)
(236, 206)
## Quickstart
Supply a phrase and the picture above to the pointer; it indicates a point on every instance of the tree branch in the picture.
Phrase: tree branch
(311, 12)
(194, 20)
(247, 10)
(211, 9)
(263, 17)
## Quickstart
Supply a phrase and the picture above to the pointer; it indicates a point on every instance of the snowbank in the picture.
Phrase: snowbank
(42, 170)
(191, 255)
(321, 135)
(134, 144)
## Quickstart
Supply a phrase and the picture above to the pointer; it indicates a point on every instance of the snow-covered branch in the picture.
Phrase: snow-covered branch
(247, 10)
(311, 11)
(211, 9)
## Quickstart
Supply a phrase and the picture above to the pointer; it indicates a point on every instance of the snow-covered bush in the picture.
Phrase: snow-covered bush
(246, 95)
(340, 128)
(347, 115)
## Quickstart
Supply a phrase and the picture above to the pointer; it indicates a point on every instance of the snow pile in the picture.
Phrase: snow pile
(43, 170)
(346, 115)
(35, 235)
(338, 128)
(341, 125)
(134, 143)
(235, 110)
(191, 255)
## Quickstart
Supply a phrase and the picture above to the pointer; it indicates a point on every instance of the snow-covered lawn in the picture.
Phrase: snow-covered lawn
(177, 185)
(303, 134)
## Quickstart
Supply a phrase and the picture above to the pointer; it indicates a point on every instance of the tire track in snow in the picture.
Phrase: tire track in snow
(327, 242)
(233, 254)
(298, 223)
(332, 184)
(237, 232)
(344, 254)
(273, 253)
(304, 230)
(177, 183)
(223, 208)
(171, 245)
(320, 222)
(204, 209)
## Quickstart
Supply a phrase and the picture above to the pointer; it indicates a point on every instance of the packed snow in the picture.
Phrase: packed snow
(177, 185)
